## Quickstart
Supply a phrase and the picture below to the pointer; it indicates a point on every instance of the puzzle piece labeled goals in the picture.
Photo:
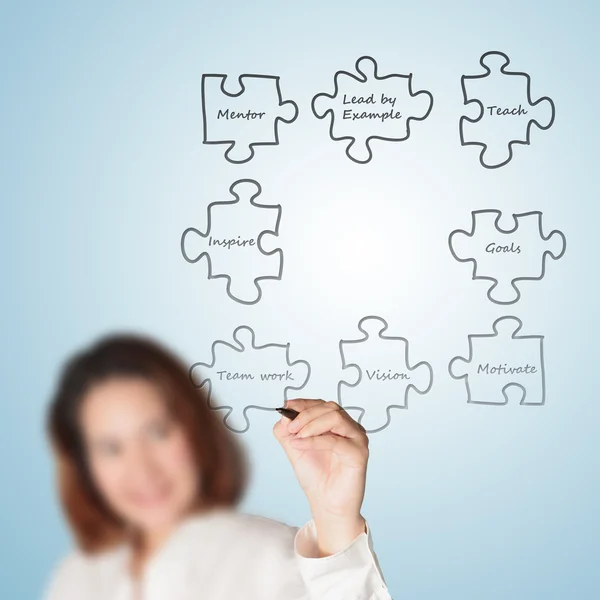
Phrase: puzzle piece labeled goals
(384, 375)
(506, 111)
(246, 118)
(243, 376)
(506, 256)
(233, 242)
(367, 107)
(501, 360)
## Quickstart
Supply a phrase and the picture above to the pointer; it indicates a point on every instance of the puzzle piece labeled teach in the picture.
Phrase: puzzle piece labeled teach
(506, 256)
(246, 118)
(384, 375)
(506, 110)
(243, 376)
(367, 107)
(500, 360)
(233, 242)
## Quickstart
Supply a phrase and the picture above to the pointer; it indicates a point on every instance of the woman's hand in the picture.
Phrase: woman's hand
(329, 453)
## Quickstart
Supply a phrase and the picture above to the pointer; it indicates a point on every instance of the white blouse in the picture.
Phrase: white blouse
(223, 554)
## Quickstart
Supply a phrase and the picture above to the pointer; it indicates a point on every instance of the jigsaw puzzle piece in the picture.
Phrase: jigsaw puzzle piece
(384, 376)
(500, 361)
(234, 242)
(246, 117)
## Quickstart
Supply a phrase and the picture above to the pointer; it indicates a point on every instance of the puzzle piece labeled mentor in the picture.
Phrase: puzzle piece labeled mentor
(367, 107)
(384, 375)
(506, 256)
(506, 111)
(243, 376)
(245, 118)
(501, 360)
(233, 242)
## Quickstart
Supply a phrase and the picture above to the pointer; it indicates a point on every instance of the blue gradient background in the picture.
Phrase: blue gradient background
(102, 168)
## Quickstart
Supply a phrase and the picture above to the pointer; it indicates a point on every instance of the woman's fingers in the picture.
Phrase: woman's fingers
(325, 418)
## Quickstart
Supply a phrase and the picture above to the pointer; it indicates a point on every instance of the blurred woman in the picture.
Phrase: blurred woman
(149, 479)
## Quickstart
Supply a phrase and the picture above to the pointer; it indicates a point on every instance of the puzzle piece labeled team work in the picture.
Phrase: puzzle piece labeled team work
(244, 118)
(384, 375)
(233, 242)
(367, 107)
(243, 376)
(506, 256)
(501, 360)
(506, 110)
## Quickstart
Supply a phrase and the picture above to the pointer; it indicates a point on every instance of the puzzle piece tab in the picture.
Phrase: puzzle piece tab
(367, 107)
(501, 360)
(506, 111)
(243, 376)
(247, 118)
(506, 256)
(233, 242)
(384, 375)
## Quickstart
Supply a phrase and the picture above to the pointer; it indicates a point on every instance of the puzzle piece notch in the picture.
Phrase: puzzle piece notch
(506, 255)
(378, 94)
(244, 118)
(525, 351)
(387, 380)
(516, 103)
(240, 381)
(229, 251)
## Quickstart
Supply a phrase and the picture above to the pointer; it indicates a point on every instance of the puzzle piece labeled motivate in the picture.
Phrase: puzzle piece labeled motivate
(384, 375)
(233, 242)
(506, 256)
(506, 110)
(243, 376)
(367, 107)
(245, 118)
(500, 360)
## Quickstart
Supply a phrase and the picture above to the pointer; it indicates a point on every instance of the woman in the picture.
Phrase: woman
(149, 478)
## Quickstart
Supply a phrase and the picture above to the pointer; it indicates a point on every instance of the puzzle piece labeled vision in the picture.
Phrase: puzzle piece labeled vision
(233, 242)
(242, 376)
(384, 375)
(500, 360)
(246, 118)
(506, 256)
(367, 107)
(506, 110)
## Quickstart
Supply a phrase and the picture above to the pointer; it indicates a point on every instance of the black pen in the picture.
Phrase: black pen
(290, 413)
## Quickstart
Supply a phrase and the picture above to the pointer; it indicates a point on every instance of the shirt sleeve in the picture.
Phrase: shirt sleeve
(60, 583)
(350, 574)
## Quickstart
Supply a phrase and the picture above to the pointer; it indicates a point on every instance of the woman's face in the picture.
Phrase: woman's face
(139, 457)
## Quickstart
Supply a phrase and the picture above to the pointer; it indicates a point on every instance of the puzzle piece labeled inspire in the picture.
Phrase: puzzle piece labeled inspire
(243, 376)
(506, 256)
(244, 119)
(501, 360)
(233, 242)
(384, 375)
(367, 107)
(506, 110)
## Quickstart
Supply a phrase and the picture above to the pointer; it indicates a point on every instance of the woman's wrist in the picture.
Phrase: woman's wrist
(335, 533)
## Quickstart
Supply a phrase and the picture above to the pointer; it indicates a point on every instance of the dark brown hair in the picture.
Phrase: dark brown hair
(220, 459)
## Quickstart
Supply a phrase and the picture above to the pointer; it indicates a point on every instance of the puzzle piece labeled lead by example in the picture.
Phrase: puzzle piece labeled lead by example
(501, 360)
(243, 376)
(368, 106)
(245, 118)
(506, 256)
(233, 242)
(384, 375)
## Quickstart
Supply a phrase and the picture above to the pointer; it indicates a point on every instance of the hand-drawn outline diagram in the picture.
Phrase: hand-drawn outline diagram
(384, 374)
(243, 371)
(506, 110)
(233, 242)
(244, 118)
(506, 256)
(367, 107)
(500, 360)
